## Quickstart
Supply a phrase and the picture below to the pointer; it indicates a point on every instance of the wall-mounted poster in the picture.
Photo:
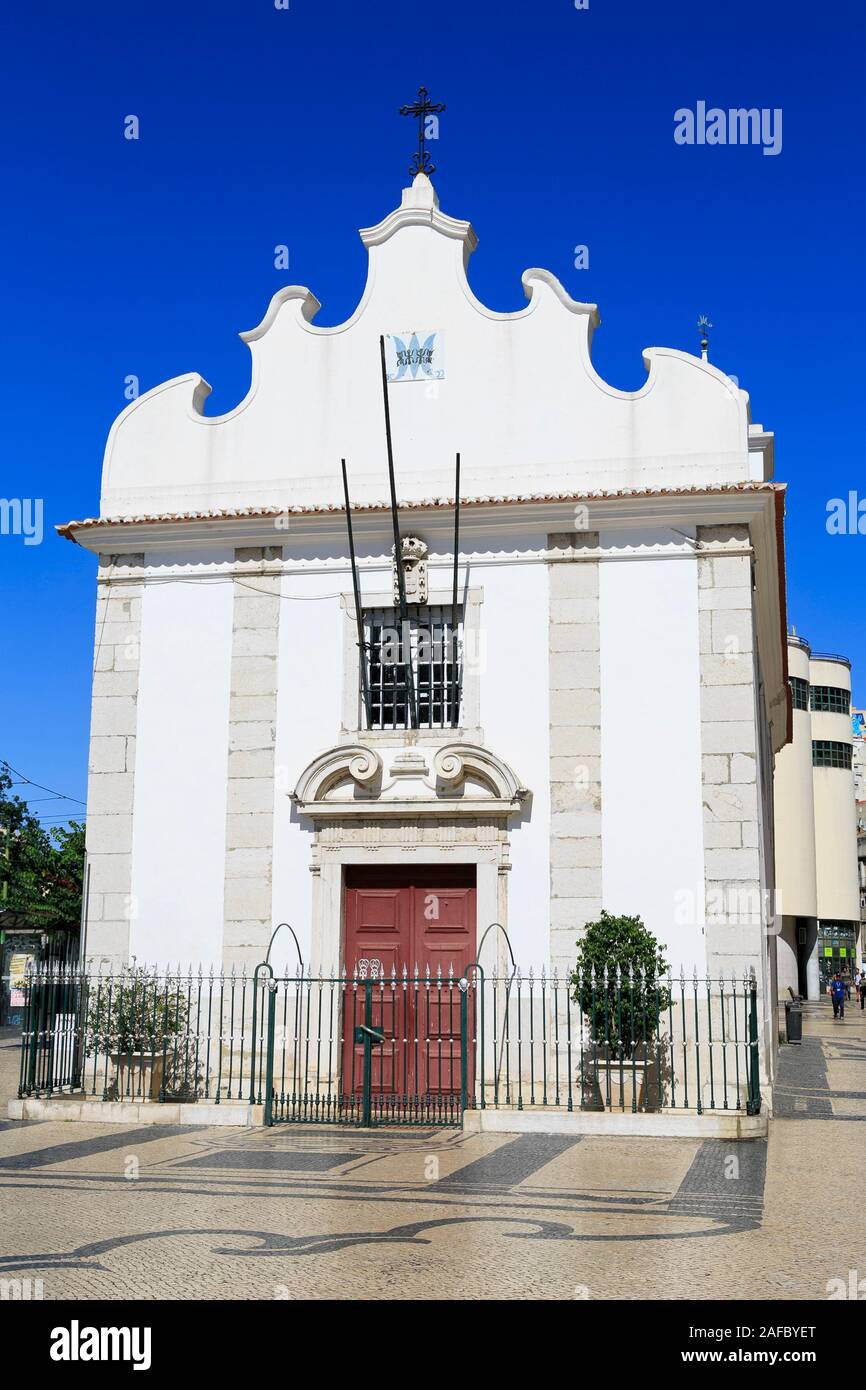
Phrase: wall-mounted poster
(16, 954)
(414, 356)
(18, 965)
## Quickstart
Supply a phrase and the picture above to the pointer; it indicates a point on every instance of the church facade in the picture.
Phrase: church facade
(581, 713)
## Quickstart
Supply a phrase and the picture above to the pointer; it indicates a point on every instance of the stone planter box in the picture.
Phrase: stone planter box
(137, 1075)
(639, 1085)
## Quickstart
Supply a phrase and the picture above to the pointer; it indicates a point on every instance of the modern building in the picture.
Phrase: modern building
(858, 729)
(816, 827)
(258, 752)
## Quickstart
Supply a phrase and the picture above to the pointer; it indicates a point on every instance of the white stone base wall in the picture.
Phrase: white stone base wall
(729, 744)
(111, 767)
(252, 737)
(575, 742)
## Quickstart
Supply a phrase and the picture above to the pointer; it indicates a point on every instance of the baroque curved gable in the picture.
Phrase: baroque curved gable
(518, 396)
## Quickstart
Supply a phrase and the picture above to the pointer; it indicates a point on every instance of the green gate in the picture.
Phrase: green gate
(361, 1050)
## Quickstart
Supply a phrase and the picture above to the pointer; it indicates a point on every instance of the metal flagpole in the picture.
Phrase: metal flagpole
(362, 646)
(405, 635)
(455, 677)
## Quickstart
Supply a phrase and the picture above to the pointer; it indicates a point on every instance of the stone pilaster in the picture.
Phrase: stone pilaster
(575, 741)
(111, 766)
(735, 911)
(252, 737)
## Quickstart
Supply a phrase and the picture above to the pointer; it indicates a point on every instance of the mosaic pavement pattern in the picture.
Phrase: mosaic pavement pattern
(97, 1211)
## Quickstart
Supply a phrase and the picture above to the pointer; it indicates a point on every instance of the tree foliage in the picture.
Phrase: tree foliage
(43, 869)
(623, 943)
(619, 982)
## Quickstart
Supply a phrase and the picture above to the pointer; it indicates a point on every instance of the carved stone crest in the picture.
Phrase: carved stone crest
(414, 552)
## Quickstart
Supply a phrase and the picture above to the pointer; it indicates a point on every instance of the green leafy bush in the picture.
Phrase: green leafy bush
(619, 983)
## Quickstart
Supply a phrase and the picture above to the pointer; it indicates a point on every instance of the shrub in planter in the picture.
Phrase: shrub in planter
(619, 983)
(141, 1021)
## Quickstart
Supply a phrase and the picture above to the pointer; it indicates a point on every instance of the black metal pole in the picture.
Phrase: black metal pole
(359, 619)
(455, 677)
(405, 635)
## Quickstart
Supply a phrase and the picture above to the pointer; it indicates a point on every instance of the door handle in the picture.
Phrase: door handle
(363, 1033)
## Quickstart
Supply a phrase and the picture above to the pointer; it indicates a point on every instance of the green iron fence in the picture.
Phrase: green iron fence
(617, 1040)
(135, 1034)
(398, 1049)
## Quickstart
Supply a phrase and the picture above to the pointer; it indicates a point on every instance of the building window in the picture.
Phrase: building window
(429, 637)
(837, 949)
(799, 692)
(826, 752)
(831, 698)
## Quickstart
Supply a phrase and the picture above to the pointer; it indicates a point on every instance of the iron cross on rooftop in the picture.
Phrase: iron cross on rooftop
(421, 109)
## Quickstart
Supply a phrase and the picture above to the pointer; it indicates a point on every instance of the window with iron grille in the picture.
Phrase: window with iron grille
(799, 692)
(826, 752)
(427, 639)
(831, 698)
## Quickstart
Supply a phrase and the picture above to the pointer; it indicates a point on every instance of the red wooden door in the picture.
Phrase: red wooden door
(411, 929)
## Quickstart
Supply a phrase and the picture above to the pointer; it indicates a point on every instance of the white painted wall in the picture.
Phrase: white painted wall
(309, 696)
(522, 402)
(652, 824)
(515, 720)
(179, 814)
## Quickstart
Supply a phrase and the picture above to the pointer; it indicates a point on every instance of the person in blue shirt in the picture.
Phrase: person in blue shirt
(837, 995)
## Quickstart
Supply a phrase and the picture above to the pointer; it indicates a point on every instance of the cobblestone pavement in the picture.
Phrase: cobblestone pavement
(122, 1211)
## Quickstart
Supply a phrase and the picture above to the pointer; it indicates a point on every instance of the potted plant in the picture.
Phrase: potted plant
(140, 1022)
(619, 982)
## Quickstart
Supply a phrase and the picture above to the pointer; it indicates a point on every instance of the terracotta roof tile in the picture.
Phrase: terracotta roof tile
(69, 528)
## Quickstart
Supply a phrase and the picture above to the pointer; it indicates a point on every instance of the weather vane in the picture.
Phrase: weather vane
(422, 109)
(704, 325)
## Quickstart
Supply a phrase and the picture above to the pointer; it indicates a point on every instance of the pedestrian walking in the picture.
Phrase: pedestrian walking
(862, 990)
(837, 996)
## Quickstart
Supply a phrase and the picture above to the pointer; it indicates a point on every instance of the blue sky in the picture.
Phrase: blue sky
(261, 126)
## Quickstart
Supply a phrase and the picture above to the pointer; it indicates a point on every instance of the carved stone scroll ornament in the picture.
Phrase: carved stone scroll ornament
(456, 763)
(342, 770)
(449, 767)
(365, 767)
(459, 779)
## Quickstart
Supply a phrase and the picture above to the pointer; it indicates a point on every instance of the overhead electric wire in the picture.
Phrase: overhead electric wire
(27, 781)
